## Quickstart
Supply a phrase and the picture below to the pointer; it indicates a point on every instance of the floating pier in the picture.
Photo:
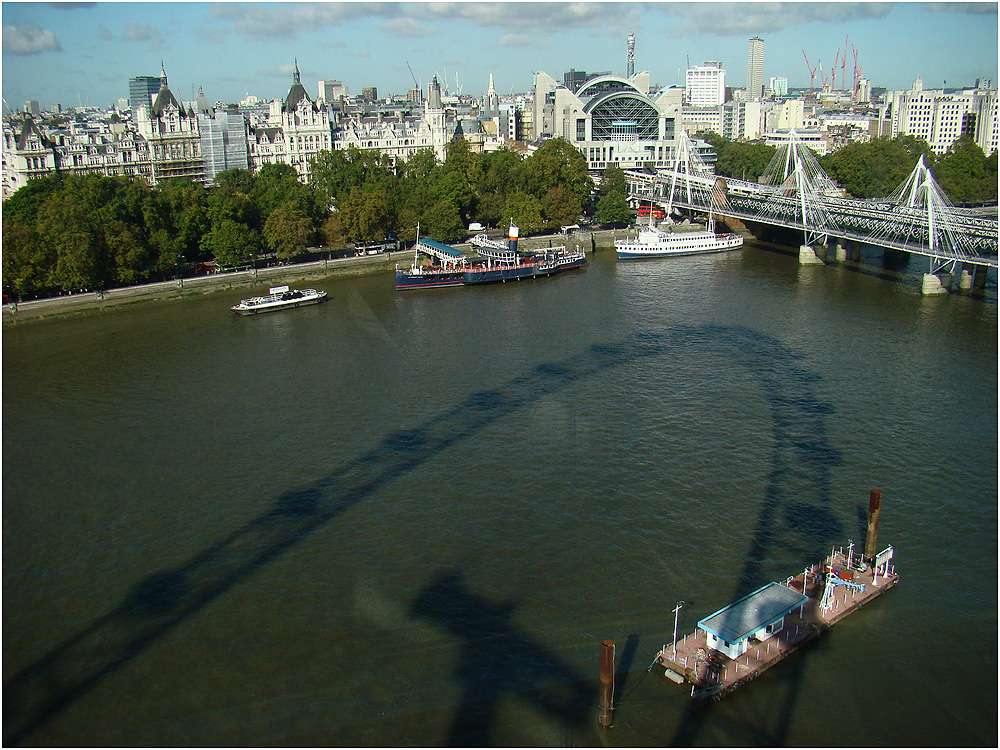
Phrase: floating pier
(739, 642)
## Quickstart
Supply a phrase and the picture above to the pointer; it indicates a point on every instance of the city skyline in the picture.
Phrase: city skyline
(70, 53)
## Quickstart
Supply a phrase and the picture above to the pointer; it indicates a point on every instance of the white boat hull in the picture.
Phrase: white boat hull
(670, 245)
(279, 301)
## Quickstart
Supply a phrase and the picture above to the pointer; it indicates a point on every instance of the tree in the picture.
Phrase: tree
(612, 208)
(331, 231)
(67, 224)
(526, 212)
(613, 181)
(876, 168)
(27, 263)
(965, 174)
(334, 173)
(558, 162)
(277, 184)
(443, 222)
(502, 173)
(231, 243)
(366, 215)
(560, 207)
(287, 230)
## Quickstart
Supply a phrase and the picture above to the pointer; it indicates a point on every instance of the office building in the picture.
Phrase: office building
(331, 91)
(705, 85)
(779, 85)
(755, 68)
(940, 118)
(141, 90)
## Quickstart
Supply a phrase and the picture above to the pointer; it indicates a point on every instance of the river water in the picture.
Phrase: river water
(411, 519)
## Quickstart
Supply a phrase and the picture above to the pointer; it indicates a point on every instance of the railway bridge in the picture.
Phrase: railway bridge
(796, 195)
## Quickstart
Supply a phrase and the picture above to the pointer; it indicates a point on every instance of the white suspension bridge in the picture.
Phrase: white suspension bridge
(795, 193)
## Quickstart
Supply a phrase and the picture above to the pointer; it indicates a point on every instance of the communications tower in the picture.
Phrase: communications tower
(630, 58)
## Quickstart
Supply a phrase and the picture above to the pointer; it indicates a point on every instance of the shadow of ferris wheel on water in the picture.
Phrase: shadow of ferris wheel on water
(166, 598)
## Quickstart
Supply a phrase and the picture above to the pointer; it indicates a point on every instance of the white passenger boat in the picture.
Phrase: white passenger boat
(653, 242)
(279, 298)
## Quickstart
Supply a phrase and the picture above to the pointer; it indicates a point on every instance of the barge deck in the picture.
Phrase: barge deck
(713, 674)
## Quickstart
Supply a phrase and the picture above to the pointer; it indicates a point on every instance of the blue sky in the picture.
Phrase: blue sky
(69, 52)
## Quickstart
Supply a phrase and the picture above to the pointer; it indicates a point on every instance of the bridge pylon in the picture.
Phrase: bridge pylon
(921, 200)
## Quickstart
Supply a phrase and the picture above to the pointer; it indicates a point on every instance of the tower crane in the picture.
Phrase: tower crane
(833, 75)
(812, 73)
(857, 74)
(843, 68)
(413, 77)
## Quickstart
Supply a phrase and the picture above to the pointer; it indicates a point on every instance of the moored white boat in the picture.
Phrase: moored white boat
(279, 298)
(655, 243)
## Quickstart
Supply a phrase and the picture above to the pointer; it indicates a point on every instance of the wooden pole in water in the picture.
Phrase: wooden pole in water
(871, 539)
(606, 711)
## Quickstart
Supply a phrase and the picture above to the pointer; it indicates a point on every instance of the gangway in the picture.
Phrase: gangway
(444, 253)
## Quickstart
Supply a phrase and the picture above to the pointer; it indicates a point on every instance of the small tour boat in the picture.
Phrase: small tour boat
(279, 298)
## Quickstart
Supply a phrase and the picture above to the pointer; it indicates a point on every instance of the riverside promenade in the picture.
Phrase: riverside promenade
(86, 301)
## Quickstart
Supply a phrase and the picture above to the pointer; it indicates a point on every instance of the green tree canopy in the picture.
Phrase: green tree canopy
(526, 211)
(965, 174)
(557, 162)
(443, 222)
(287, 230)
(231, 243)
(613, 207)
(560, 207)
(366, 215)
(875, 169)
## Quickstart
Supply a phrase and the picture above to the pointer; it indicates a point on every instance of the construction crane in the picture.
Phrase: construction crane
(812, 73)
(857, 73)
(822, 80)
(833, 75)
(413, 77)
(843, 68)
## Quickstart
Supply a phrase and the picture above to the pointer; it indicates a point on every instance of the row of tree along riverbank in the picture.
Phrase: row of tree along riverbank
(248, 278)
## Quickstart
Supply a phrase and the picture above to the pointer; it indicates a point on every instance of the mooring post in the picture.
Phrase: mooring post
(871, 539)
(606, 710)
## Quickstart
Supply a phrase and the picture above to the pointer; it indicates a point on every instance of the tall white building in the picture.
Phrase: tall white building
(940, 118)
(705, 85)
(779, 85)
(755, 68)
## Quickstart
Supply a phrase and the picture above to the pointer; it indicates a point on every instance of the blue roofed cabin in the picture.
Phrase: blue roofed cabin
(758, 616)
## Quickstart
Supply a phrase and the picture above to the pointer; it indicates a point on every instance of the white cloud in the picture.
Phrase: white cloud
(522, 41)
(744, 19)
(408, 28)
(137, 32)
(28, 39)
(288, 19)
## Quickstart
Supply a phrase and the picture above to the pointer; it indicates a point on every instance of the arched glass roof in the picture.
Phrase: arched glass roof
(623, 116)
(604, 85)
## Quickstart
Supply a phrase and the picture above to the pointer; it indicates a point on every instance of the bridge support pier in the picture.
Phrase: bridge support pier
(839, 252)
(978, 274)
(935, 284)
(807, 256)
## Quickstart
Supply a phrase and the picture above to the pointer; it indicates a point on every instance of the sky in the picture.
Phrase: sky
(84, 52)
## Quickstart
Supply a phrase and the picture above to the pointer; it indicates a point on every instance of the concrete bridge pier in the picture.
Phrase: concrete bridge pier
(973, 276)
(840, 251)
(807, 256)
(936, 283)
